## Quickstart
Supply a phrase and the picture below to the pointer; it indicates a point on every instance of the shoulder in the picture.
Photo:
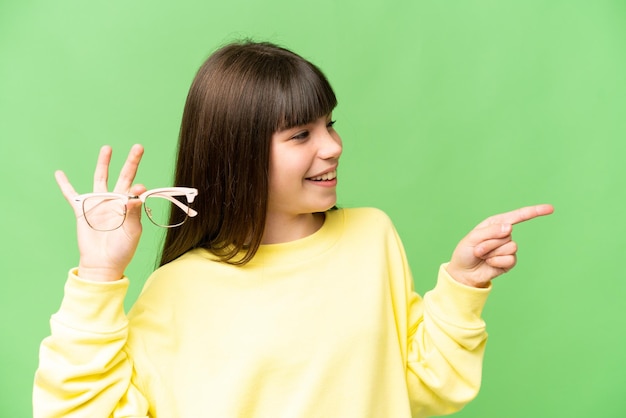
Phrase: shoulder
(173, 285)
(370, 234)
(364, 224)
(197, 264)
(367, 216)
(197, 260)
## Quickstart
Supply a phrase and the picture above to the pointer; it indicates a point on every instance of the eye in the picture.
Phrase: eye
(301, 135)
(330, 124)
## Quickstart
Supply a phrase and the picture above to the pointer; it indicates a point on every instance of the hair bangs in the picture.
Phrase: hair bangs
(305, 96)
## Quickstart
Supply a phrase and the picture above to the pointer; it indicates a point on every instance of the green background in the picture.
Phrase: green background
(450, 111)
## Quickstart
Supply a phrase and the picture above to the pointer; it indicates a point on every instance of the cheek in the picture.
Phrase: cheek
(285, 177)
(281, 177)
(284, 166)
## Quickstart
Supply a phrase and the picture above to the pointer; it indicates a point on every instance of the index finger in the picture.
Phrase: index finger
(519, 215)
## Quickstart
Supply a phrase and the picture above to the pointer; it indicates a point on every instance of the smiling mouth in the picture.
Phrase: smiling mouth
(325, 177)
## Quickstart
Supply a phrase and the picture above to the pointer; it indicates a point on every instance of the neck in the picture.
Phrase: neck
(286, 228)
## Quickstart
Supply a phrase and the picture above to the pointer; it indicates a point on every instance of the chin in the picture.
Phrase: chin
(330, 206)
(322, 205)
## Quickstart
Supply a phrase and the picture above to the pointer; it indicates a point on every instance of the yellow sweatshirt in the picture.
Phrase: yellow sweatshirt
(325, 326)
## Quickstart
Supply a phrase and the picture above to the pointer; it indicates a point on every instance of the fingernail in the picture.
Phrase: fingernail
(506, 227)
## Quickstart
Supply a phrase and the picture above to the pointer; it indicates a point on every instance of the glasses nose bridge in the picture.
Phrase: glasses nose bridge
(135, 197)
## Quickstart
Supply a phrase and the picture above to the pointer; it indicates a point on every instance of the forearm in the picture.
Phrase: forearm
(83, 370)
(445, 353)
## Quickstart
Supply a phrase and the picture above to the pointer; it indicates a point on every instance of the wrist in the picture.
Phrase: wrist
(98, 274)
(462, 277)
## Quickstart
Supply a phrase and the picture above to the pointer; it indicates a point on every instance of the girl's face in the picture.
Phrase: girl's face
(303, 168)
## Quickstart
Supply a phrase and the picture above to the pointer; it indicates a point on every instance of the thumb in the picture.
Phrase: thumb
(137, 189)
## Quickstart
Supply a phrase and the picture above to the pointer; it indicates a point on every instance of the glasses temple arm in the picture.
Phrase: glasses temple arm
(178, 203)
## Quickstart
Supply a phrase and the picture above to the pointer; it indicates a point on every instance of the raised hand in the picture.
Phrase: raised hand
(105, 255)
(489, 250)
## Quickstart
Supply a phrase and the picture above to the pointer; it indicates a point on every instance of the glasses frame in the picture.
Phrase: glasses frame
(167, 193)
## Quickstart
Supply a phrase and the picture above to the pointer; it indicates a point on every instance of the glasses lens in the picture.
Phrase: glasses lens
(166, 210)
(104, 213)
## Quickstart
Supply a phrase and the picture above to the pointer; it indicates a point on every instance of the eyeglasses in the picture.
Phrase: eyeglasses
(107, 211)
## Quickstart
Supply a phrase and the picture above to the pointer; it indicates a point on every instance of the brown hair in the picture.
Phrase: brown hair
(240, 96)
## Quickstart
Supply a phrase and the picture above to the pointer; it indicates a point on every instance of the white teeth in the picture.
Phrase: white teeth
(327, 176)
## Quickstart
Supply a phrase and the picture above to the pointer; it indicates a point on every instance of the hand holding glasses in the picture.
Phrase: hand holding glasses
(167, 207)
(105, 256)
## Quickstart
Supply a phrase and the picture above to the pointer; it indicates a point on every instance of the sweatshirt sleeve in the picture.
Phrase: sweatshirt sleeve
(444, 336)
(84, 370)
(446, 344)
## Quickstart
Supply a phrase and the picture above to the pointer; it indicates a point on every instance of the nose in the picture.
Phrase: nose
(330, 145)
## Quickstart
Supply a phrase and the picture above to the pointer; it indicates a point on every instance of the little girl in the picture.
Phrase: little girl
(269, 301)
